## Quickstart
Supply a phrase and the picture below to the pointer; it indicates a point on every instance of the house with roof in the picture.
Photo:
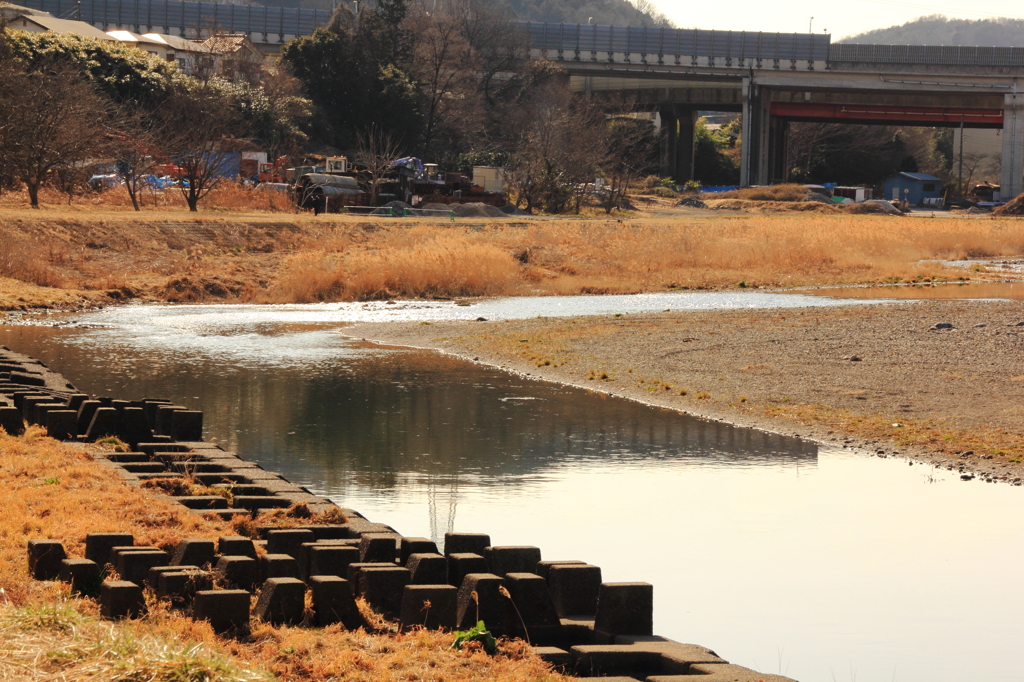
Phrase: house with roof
(41, 22)
(157, 48)
(237, 56)
(916, 188)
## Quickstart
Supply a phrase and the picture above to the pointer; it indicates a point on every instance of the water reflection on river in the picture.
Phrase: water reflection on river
(782, 556)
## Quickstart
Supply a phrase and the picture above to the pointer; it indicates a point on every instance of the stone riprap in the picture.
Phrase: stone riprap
(576, 622)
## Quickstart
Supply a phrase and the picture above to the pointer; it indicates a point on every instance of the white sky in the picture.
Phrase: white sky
(841, 19)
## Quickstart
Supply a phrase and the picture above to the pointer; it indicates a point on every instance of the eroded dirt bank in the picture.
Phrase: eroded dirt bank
(888, 378)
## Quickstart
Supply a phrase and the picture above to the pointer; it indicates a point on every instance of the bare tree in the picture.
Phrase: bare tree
(50, 117)
(628, 145)
(135, 148)
(199, 127)
(376, 151)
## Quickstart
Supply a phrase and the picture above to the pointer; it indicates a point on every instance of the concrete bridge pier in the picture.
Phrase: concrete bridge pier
(677, 148)
(755, 147)
(1012, 176)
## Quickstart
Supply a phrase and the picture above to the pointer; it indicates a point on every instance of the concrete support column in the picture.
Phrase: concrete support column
(754, 149)
(778, 149)
(687, 119)
(669, 141)
(1012, 176)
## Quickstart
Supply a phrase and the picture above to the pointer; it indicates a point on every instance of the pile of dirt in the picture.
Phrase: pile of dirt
(691, 202)
(476, 210)
(512, 209)
(873, 206)
(820, 198)
(396, 208)
(1015, 207)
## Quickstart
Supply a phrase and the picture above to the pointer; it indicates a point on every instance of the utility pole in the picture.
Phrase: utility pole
(810, 25)
(960, 173)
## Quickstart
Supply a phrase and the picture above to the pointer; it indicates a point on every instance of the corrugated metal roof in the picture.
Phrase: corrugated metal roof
(67, 26)
(922, 176)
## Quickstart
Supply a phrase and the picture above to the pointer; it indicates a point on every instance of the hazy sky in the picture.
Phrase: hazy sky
(840, 18)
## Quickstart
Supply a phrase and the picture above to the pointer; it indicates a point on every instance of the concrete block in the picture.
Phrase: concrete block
(625, 609)
(121, 599)
(11, 421)
(427, 569)
(149, 406)
(236, 545)
(44, 559)
(574, 589)
(82, 575)
(85, 412)
(466, 543)
(544, 566)
(489, 606)
(410, 546)
(378, 548)
(382, 588)
(278, 566)
(559, 659)
(132, 426)
(194, 552)
(532, 606)
(675, 658)
(186, 425)
(40, 411)
(504, 560)
(720, 672)
(333, 602)
(282, 601)
(256, 502)
(134, 566)
(75, 401)
(103, 424)
(180, 587)
(153, 577)
(98, 545)
(288, 541)
(223, 609)
(27, 379)
(61, 424)
(354, 569)
(238, 571)
(330, 532)
(164, 413)
(430, 606)
(331, 560)
(460, 565)
(28, 406)
(202, 502)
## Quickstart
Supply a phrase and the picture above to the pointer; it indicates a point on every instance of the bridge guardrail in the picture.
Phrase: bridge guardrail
(927, 54)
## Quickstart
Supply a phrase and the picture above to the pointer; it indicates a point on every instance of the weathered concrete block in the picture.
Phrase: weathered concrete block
(238, 571)
(223, 609)
(103, 424)
(330, 532)
(121, 599)
(663, 656)
(40, 411)
(288, 541)
(282, 601)
(132, 426)
(202, 502)
(153, 577)
(149, 406)
(382, 588)
(164, 414)
(466, 543)
(82, 575)
(134, 566)
(410, 546)
(75, 401)
(11, 421)
(61, 424)
(28, 406)
(530, 606)
(278, 566)
(194, 552)
(544, 566)
(429, 606)
(489, 605)
(187, 425)
(625, 609)
(504, 560)
(236, 545)
(331, 560)
(559, 659)
(460, 565)
(98, 545)
(180, 587)
(44, 559)
(574, 589)
(333, 602)
(427, 569)
(378, 548)
(720, 672)
(354, 569)
(85, 412)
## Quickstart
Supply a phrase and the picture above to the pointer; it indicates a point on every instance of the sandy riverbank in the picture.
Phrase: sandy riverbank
(880, 378)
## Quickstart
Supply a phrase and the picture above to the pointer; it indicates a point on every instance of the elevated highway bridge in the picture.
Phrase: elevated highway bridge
(776, 79)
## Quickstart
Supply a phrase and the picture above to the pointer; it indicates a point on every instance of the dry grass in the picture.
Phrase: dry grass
(54, 491)
(248, 258)
(228, 196)
(789, 192)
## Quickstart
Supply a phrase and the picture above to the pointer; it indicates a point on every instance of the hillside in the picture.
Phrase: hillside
(939, 30)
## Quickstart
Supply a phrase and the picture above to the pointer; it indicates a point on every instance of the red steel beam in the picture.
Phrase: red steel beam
(872, 113)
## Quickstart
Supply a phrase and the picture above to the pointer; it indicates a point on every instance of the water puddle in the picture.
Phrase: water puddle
(1013, 291)
(782, 555)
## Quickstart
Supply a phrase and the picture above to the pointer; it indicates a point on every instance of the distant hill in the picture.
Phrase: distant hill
(939, 30)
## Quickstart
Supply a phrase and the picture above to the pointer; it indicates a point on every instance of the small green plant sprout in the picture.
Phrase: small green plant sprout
(741, 284)
(478, 633)
(52, 480)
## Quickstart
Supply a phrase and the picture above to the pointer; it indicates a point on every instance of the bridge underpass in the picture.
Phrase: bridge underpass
(776, 79)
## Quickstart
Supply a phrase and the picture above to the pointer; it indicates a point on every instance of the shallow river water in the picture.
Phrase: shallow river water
(780, 554)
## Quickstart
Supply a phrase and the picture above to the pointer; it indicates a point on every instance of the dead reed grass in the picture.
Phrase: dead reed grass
(227, 196)
(787, 192)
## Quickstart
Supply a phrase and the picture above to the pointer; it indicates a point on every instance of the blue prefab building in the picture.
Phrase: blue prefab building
(914, 187)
